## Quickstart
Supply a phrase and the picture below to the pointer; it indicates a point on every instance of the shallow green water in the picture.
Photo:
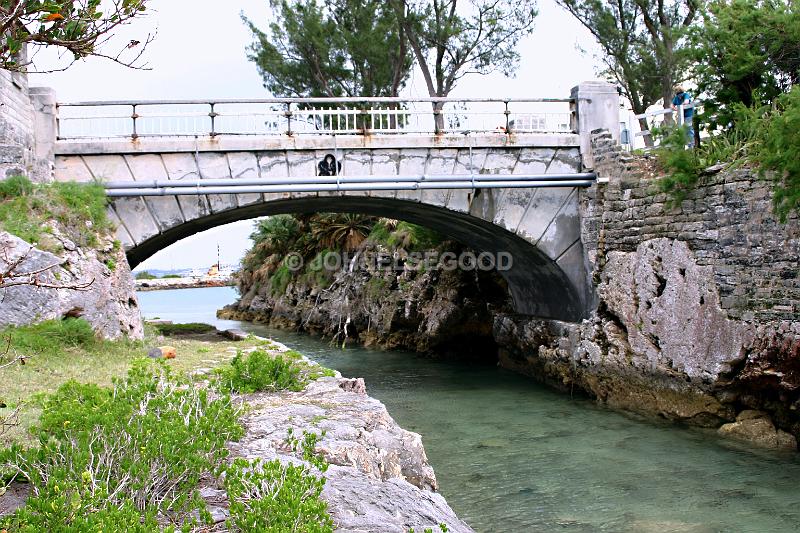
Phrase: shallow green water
(514, 456)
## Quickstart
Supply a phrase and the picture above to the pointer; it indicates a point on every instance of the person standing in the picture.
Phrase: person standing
(683, 98)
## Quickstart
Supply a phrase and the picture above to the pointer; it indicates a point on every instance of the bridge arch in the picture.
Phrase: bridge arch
(539, 285)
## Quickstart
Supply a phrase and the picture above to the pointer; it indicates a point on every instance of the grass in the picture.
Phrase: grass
(114, 441)
(79, 209)
(58, 351)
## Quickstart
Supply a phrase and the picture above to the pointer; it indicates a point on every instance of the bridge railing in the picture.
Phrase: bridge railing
(311, 116)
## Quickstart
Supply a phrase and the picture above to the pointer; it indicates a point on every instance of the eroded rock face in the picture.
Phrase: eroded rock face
(660, 343)
(108, 300)
(669, 307)
(379, 479)
(445, 312)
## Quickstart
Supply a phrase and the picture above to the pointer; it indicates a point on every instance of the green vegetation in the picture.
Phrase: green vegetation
(258, 371)
(189, 328)
(26, 210)
(129, 453)
(106, 453)
(363, 48)
(314, 238)
(170, 276)
(56, 351)
(280, 280)
(260, 505)
(144, 274)
(642, 45)
(745, 52)
(75, 28)
(747, 71)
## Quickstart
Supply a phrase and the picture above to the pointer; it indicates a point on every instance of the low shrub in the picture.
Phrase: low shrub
(184, 329)
(112, 459)
(144, 274)
(257, 372)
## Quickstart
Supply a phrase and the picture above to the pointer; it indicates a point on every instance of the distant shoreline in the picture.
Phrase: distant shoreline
(160, 284)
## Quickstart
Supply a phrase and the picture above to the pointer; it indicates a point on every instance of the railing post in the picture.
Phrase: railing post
(213, 116)
(45, 130)
(507, 113)
(288, 115)
(364, 120)
(594, 106)
(134, 116)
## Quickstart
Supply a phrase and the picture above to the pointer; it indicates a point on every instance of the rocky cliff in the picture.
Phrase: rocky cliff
(94, 283)
(396, 306)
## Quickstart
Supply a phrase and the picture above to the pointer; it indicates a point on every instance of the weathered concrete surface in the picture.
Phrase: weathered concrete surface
(109, 303)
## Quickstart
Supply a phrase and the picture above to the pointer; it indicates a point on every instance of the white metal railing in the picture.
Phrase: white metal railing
(310, 116)
(659, 112)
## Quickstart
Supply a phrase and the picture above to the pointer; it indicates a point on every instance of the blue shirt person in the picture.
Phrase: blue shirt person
(685, 99)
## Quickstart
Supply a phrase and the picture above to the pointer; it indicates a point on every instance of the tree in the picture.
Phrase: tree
(334, 48)
(746, 52)
(450, 40)
(80, 27)
(642, 42)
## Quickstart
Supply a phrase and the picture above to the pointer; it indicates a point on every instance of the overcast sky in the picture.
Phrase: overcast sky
(199, 52)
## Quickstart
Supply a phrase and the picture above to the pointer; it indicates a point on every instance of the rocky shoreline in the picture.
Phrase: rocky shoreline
(160, 284)
(379, 479)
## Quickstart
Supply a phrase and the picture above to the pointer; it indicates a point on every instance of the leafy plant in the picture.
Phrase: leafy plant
(270, 497)
(144, 274)
(341, 231)
(778, 148)
(681, 163)
(140, 447)
(258, 371)
(78, 27)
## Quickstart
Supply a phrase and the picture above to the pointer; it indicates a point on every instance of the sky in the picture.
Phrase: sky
(200, 52)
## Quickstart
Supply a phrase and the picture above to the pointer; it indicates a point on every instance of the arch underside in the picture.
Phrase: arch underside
(539, 287)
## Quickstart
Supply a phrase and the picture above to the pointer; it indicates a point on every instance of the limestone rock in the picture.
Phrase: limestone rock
(756, 428)
(670, 309)
(379, 480)
(358, 431)
(109, 303)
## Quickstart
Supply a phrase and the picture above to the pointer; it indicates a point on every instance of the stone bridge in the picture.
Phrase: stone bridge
(540, 226)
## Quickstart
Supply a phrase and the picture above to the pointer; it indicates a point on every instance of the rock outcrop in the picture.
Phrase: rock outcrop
(696, 317)
(379, 479)
(432, 311)
(97, 285)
